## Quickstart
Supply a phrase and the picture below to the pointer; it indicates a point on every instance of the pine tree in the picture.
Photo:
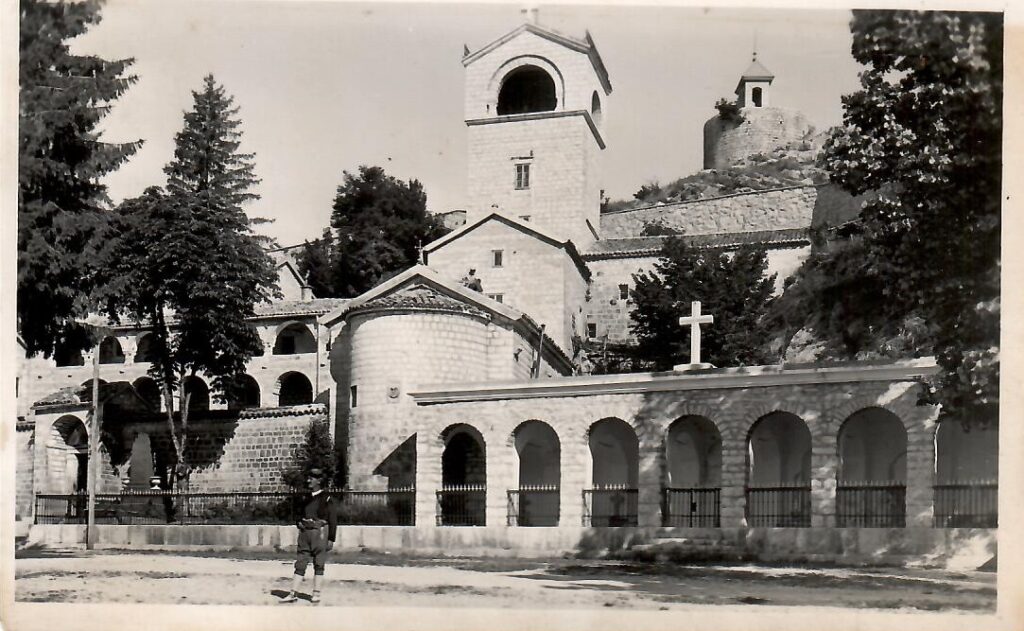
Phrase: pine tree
(61, 159)
(734, 289)
(187, 264)
(315, 452)
(377, 224)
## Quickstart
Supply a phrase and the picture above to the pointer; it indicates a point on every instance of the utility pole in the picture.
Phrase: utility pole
(94, 442)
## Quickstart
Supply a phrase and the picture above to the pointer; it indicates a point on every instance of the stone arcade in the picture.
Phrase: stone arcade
(474, 400)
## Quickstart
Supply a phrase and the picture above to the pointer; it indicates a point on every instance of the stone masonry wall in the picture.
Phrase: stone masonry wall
(823, 407)
(23, 446)
(776, 209)
(761, 130)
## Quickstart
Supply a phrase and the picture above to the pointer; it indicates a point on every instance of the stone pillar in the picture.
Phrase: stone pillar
(129, 346)
(575, 477)
(824, 467)
(921, 465)
(500, 478)
(428, 478)
(649, 491)
(734, 480)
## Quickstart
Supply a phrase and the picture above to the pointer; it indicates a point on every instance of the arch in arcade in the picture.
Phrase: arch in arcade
(68, 455)
(294, 388)
(294, 339)
(198, 393)
(463, 494)
(615, 474)
(243, 393)
(149, 391)
(111, 351)
(872, 473)
(779, 472)
(538, 454)
(693, 473)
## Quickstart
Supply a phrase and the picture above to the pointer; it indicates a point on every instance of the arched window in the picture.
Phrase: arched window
(595, 108)
(110, 351)
(463, 496)
(615, 472)
(693, 459)
(872, 476)
(243, 393)
(294, 339)
(539, 453)
(527, 89)
(779, 472)
(149, 391)
(144, 351)
(198, 392)
(295, 389)
(755, 96)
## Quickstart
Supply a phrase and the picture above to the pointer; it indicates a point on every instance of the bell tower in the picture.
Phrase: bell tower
(535, 113)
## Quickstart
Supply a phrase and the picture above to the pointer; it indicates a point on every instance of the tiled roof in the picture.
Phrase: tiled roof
(315, 306)
(64, 396)
(647, 246)
(419, 297)
(756, 70)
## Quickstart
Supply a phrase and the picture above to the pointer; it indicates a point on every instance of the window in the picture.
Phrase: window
(755, 95)
(623, 292)
(497, 258)
(353, 396)
(497, 297)
(591, 329)
(522, 176)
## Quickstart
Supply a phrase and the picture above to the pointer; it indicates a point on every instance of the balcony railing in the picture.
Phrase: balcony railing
(871, 504)
(462, 505)
(780, 506)
(691, 507)
(610, 505)
(377, 508)
(533, 505)
(967, 504)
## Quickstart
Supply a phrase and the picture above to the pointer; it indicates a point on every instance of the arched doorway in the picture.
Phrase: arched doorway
(527, 89)
(243, 392)
(779, 472)
(110, 351)
(536, 501)
(198, 393)
(145, 351)
(462, 499)
(148, 391)
(966, 476)
(294, 339)
(69, 455)
(693, 473)
(615, 472)
(872, 477)
(294, 389)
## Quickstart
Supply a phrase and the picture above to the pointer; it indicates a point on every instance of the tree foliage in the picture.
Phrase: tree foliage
(186, 264)
(924, 135)
(377, 224)
(316, 451)
(734, 289)
(61, 159)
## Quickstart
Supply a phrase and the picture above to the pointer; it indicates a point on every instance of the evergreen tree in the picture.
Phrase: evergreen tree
(377, 224)
(315, 452)
(734, 289)
(61, 159)
(187, 265)
(924, 135)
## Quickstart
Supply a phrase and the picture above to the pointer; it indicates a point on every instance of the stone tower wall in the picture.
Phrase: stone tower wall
(761, 130)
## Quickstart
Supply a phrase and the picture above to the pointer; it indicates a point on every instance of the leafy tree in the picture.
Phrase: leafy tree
(187, 265)
(734, 289)
(61, 159)
(377, 224)
(924, 135)
(316, 451)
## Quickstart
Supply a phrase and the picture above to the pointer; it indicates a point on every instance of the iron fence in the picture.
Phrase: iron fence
(534, 505)
(610, 505)
(691, 507)
(967, 504)
(871, 504)
(378, 508)
(781, 506)
(462, 505)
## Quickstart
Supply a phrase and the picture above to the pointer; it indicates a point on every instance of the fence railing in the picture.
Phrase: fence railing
(871, 504)
(358, 508)
(691, 507)
(462, 505)
(536, 505)
(780, 506)
(610, 505)
(967, 504)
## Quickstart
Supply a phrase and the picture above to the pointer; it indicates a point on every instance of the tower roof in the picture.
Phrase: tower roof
(756, 72)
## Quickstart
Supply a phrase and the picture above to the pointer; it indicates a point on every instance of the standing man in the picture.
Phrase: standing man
(316, 512)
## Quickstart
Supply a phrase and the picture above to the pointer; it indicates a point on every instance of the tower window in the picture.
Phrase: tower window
(353, 396)
(591, 329)
(497, 258)
(522, 176)
(755, 96)
(623, 292)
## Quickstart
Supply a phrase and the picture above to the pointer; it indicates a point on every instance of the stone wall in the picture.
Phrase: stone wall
(23, 446)
(776, 209)
(760, 130)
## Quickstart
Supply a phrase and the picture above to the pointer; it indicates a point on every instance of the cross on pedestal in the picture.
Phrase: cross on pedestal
(695, 319)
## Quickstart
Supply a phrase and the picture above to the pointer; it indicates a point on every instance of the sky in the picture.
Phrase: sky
(324, 87)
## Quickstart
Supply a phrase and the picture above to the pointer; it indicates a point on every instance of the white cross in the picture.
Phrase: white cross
(695, 319)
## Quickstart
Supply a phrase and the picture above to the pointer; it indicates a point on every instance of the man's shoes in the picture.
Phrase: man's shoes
(315, 598)
(290, 598)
